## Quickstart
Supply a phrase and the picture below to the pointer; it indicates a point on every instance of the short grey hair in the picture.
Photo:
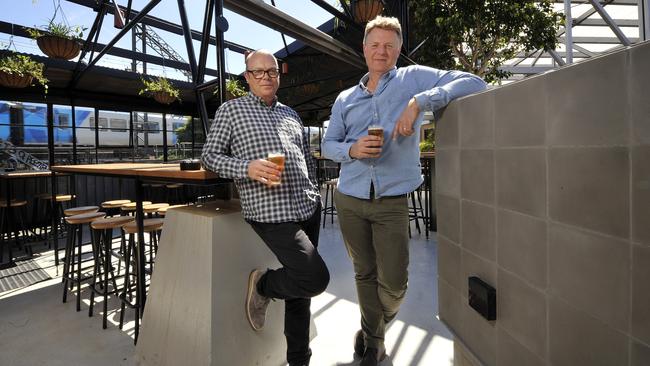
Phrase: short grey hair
(386, 23)
(261, 52)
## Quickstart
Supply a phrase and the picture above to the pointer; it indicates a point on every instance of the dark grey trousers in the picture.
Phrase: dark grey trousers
(302, 276)
(375, 233)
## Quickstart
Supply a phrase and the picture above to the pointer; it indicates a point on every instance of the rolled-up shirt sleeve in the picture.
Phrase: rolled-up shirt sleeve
(449, 85)
(334, 144)
(216, 155)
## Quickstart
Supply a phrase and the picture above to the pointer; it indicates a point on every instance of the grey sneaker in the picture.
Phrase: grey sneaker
(256, 304)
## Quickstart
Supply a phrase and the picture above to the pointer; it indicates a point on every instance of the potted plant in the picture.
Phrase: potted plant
(364, 11)
(234, 89)
(18, 71)
(161, 90)
(58, 40)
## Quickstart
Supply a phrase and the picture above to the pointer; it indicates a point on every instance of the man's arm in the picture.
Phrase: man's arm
(216, 155)
(440, 88)
(335, 146)
(309, 159)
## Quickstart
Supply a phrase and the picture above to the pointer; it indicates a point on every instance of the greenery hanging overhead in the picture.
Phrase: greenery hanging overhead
(478, 36)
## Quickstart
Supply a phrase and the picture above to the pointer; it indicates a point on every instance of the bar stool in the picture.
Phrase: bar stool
(16, 209)
(75, 230)
(78, 211)
(103, 234)
(173, 193)
(150, 226)
(39, 218)
(153, 208)
(112, 207)
(129, 208)
(416, 212)
(60, 200)
(328, 205)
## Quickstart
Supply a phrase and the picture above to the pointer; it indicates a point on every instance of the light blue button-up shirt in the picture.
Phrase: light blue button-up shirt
(397, 170)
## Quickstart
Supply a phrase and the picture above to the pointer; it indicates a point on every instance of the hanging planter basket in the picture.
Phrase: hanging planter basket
(15, 80)
(59, 47)
(366, 10)
(163, 97)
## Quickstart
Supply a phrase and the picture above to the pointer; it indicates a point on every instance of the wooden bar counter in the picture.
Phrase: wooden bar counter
(195, 309)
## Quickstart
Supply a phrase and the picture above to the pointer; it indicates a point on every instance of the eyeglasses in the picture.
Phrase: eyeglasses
(259, 74)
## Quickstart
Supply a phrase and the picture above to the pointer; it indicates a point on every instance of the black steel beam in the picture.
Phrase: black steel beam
(94, 30)
(334, 11)
(221, 62)
(188, 39)
(203, 53)
(164, 25)
(120, 34)
(273, 18)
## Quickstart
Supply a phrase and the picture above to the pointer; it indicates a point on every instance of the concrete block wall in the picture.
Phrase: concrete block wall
(543, 191)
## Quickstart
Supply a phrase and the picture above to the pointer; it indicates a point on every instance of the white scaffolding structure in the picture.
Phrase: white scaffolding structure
(592, 28)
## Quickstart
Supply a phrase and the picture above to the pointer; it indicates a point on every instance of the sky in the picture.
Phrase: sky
(241, 30)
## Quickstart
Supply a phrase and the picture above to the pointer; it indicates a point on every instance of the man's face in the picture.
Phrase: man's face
(266, 86)
(381, 50)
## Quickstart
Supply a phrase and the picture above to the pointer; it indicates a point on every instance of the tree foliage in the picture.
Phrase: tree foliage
(478, 36)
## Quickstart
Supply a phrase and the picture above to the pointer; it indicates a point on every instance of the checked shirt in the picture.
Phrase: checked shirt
(246, 129)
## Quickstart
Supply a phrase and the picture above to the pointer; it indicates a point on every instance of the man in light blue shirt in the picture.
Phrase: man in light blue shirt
(378, 172)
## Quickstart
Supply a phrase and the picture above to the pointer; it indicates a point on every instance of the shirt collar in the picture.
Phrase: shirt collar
(382, 80)
(262, 102)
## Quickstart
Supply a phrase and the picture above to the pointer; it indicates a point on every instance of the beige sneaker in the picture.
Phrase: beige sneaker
(256, 304)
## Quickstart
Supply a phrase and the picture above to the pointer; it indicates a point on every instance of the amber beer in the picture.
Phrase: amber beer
(378, 131)
(278, 159)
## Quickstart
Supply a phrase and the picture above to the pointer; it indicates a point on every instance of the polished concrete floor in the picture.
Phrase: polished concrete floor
(36, 328)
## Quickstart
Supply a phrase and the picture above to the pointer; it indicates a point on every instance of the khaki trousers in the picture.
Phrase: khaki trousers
(375, 233)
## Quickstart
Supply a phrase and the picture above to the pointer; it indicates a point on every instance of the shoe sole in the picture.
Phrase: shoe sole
(249, 295)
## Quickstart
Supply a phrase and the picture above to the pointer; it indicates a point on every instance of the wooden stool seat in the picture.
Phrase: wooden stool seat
(131, 205)
(59, 197)
(154, 207)
(13, 203)
(80, 210)
(149, 226)
(114, 203)
(163, 210)
(332, 182)
(111, 222)
(84, 218)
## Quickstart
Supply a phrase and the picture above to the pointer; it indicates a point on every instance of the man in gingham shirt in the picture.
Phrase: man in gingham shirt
(285, 216)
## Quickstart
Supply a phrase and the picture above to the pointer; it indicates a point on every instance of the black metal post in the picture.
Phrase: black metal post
(221, 64)
(74, 133)
(96, 135)
(188, 39)
(51, 158)
(123, 31)
(192, 126)
(205, 42)
(164, 133)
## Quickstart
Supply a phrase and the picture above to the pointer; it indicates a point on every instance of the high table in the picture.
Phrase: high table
(10, 178)
(141, 172)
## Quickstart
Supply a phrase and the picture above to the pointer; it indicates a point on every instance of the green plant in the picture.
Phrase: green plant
(23, 65)
(159, 85)
(427, 146)
(478, 36)
(234, 89)
(59, 30)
